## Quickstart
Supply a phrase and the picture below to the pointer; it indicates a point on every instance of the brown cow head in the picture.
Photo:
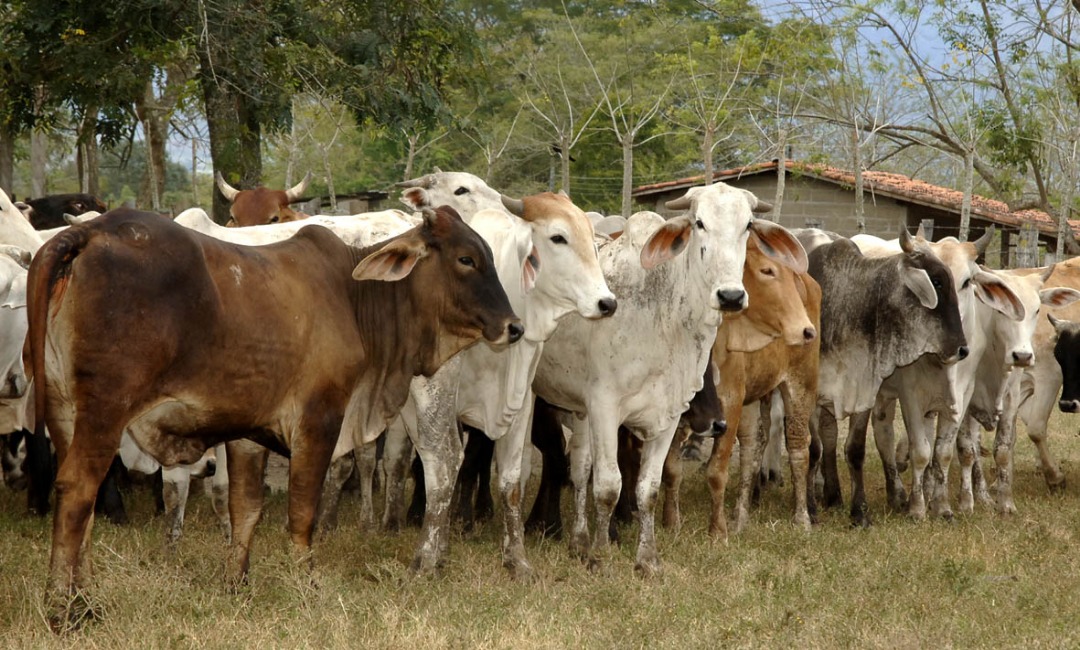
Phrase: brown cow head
(453, 273)
(261, 205)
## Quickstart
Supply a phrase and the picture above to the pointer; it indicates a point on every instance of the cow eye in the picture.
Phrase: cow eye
(700, 224)
(558, 239)
(936, 283)
(274, 219)
(467, 261)
(769, 271)
(461, 190)
(967, 283)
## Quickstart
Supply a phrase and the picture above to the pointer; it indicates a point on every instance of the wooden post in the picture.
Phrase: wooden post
(1027, 247)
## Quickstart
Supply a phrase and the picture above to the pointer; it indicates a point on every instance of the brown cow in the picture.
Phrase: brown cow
(211, 341)
(261, 205)
(773, 344)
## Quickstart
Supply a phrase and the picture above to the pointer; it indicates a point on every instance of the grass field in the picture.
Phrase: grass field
(980, 581)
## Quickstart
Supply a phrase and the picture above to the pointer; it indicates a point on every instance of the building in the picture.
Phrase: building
(819, 196)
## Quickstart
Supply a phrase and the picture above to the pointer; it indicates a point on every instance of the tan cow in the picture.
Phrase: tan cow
(215, 342)
(773, 344)
(261, 205)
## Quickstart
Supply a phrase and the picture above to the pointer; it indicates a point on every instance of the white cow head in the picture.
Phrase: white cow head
(466, 193)
(563, 257)
(15, 229)
(714, 230)
(1015, 337)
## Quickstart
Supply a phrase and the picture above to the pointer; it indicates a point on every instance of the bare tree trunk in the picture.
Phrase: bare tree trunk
(411, 155)
(627, 174)
(39, 153)
(860, 211)
(707, 144)
(781, 176)
(330, 180)
(965, 205)
(1064, 231)
(564, 163)
(235, 138)
(7, 161)
(194, 174)
(87, 159)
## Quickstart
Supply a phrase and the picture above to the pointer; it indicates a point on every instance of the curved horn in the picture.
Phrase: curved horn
(438, 170)
(681, 203)
(907, 244)
(515, 206)
(1045, 275)
(983, 242)
(761, 207)
(228, 191)
(296, 190)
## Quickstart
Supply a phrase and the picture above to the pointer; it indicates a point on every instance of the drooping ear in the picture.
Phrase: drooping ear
(778, 243)
(529, 269)
(20, 255)
(993, 292)
(715, 370)
(392, 262)
(1058, 296)
(416, 198)
(918, 281)
(668, 241)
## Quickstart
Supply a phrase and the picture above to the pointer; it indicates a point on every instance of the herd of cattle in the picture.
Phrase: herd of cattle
(607, 339)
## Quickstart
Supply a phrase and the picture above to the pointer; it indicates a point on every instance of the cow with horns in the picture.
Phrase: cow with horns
(261, 205)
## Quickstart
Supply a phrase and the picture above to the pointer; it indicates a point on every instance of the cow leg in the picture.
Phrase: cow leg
(82, 469)
(653, 453)
(418, 503)
(366, 461)
(769, 442)
(607, 480)
(40, 472)
(967, 452)
(547, 436)
(1037, 432)
(175, 486)
(814, 465)
(628, 453)
(484, 506)
(884, 415)
(1003, 453)
(397, 457)
(918, 428)
(855, 451)
(309, 459)
(938, 476)
(508, 452)
(470, 480)
(341, 469)
(748, 453)
(219, 491)
(441, 459)
(581, 464)
(717, 469)
(247, 465)
(109, 502)
(828, 434)
(672, 481)
(798, 403)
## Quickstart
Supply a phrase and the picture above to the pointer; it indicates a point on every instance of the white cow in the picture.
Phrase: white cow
(927, 389)
(15, 229)
(361, 230)
(641, 367)
(547, 263)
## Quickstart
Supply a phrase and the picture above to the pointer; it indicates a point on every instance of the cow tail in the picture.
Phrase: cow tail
(51, 263)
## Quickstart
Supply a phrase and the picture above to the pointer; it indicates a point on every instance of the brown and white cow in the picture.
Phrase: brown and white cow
(211, 341)
(261, 205)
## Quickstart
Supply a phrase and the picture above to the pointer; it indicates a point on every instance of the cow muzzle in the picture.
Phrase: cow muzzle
(731, 299)
(1069, 406)
(14, 387)
(1022, 359)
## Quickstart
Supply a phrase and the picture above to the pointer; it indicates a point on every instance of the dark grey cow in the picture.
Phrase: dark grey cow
(1067, 353)
(877, 314)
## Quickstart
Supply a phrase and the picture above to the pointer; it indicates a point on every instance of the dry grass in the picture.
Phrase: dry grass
(983, 581)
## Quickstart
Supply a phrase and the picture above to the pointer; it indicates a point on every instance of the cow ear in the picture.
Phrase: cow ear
(1058, 323)
(416, 198)
(778, 243)
(391, 262)
(993, 292)
(715, 370)
(529, 269)
(668, 241)
(1058, 296)
(20, 255)
(918, 281)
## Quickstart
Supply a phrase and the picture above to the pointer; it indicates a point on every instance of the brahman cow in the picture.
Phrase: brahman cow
(261, 205)
(253, 346)
(877, 314)
(1067, 353)
(640, 368)
(928, 389)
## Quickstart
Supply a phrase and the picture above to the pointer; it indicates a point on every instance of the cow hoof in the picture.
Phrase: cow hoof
(72, 614)
(521, 571)
(1055, 486)
(648, 568)
(594, 564)
(579, 545)
(861, 521)
(423, 566)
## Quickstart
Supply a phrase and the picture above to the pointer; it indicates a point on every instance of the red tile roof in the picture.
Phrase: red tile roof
(888, 184)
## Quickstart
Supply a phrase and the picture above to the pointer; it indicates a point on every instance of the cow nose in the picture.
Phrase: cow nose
(719, 428)
(1022, 358)
(731, 299)
(1069, 406)
(515, 330)
(607, 306)
(962, 352)
(809, 334)
(211, 469)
